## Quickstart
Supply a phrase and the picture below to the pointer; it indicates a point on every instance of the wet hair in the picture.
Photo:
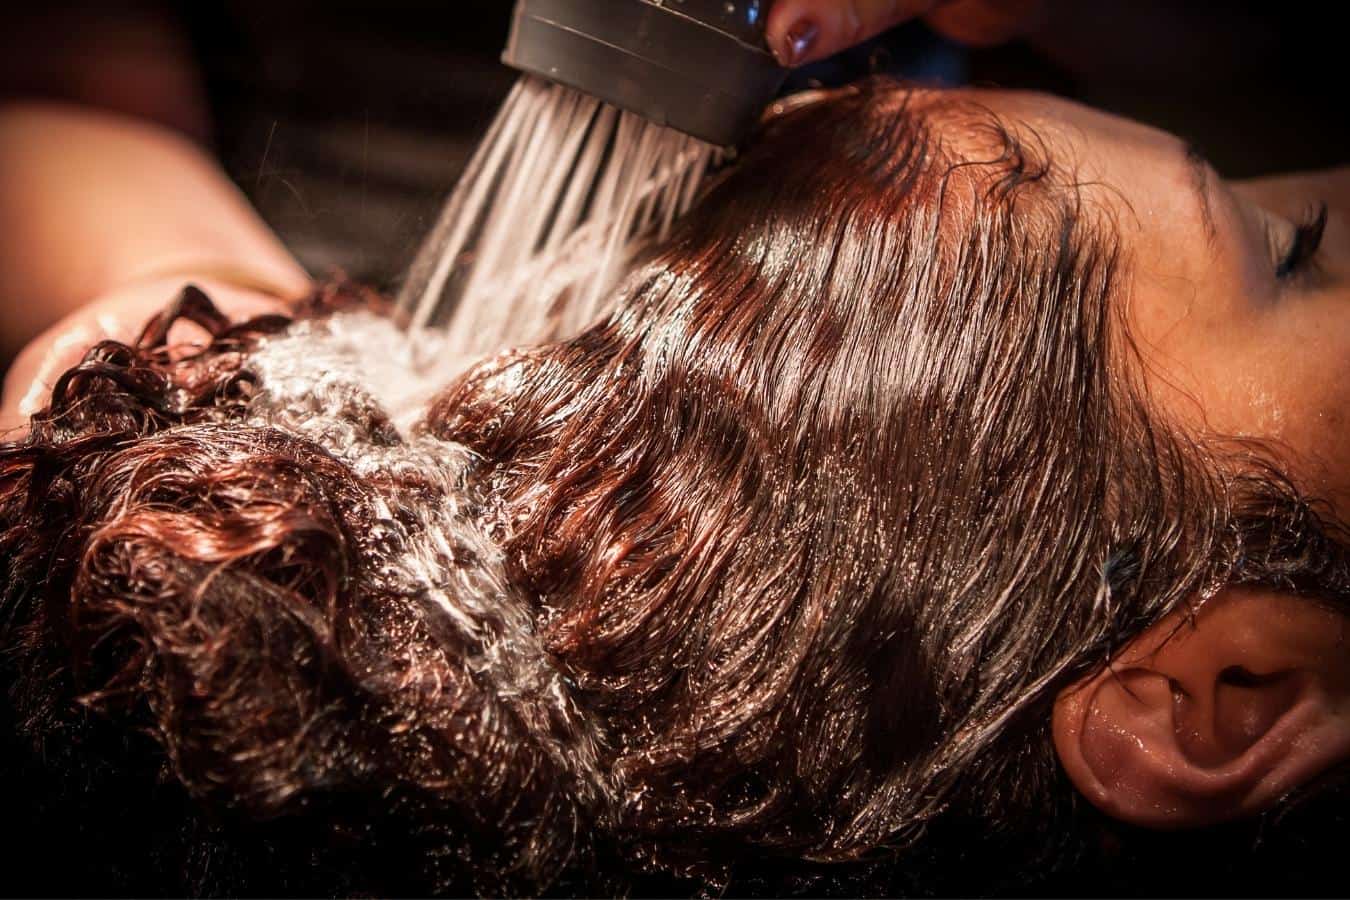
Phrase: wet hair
(766, 581)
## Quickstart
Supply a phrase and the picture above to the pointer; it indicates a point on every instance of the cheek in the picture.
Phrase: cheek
(1320, 428)
(1280, 375)
(1307, 383)
(1289, 386)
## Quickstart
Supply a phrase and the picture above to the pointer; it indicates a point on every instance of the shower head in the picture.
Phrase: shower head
(698, 66)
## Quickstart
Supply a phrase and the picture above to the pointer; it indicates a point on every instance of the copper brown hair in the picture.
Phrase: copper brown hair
(807, 534)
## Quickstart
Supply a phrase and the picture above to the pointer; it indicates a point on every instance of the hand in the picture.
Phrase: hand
(803, 31)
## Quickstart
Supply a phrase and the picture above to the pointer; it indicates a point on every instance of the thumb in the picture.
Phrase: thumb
(803, 31)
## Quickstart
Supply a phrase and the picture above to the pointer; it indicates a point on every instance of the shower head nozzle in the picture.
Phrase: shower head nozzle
(699, 66)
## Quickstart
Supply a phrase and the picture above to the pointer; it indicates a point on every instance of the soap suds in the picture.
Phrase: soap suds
(358, 386)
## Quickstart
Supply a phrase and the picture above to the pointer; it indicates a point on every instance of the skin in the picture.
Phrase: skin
(1228, 348)
(1212, 717)
(107, 217)
(1168, 736)
(804, 31)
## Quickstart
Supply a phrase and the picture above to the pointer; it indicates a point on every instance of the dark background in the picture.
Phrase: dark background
(347, 122)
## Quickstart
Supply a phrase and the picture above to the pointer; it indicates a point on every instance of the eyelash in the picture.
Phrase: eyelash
(1303, 248)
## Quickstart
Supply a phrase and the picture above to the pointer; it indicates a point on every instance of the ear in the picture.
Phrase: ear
(1214, 716)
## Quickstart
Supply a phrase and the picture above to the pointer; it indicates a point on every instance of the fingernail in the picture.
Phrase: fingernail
(798, 42)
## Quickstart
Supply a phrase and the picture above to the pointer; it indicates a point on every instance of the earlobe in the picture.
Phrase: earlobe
(1211, 718)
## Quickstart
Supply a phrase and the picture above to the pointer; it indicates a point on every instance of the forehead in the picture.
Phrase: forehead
(1220, 352)
(1148, 186)
(1073, 124)
(1182, 266)
(1125, 161)
(1156, 193)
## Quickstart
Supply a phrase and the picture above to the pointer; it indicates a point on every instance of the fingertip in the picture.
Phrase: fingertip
(796, 34)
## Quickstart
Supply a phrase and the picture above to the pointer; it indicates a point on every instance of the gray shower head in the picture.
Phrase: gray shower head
(699, 66)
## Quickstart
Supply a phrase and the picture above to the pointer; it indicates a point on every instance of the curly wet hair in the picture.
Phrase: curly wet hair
(218, 590)
(757, 584)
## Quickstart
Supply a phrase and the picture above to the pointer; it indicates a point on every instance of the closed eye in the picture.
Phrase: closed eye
(1238, 676)
(1301, 250)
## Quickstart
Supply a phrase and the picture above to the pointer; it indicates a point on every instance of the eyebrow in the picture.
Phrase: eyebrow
(1199, 169)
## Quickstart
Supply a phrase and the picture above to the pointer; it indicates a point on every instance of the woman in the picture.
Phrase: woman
(963, 455)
